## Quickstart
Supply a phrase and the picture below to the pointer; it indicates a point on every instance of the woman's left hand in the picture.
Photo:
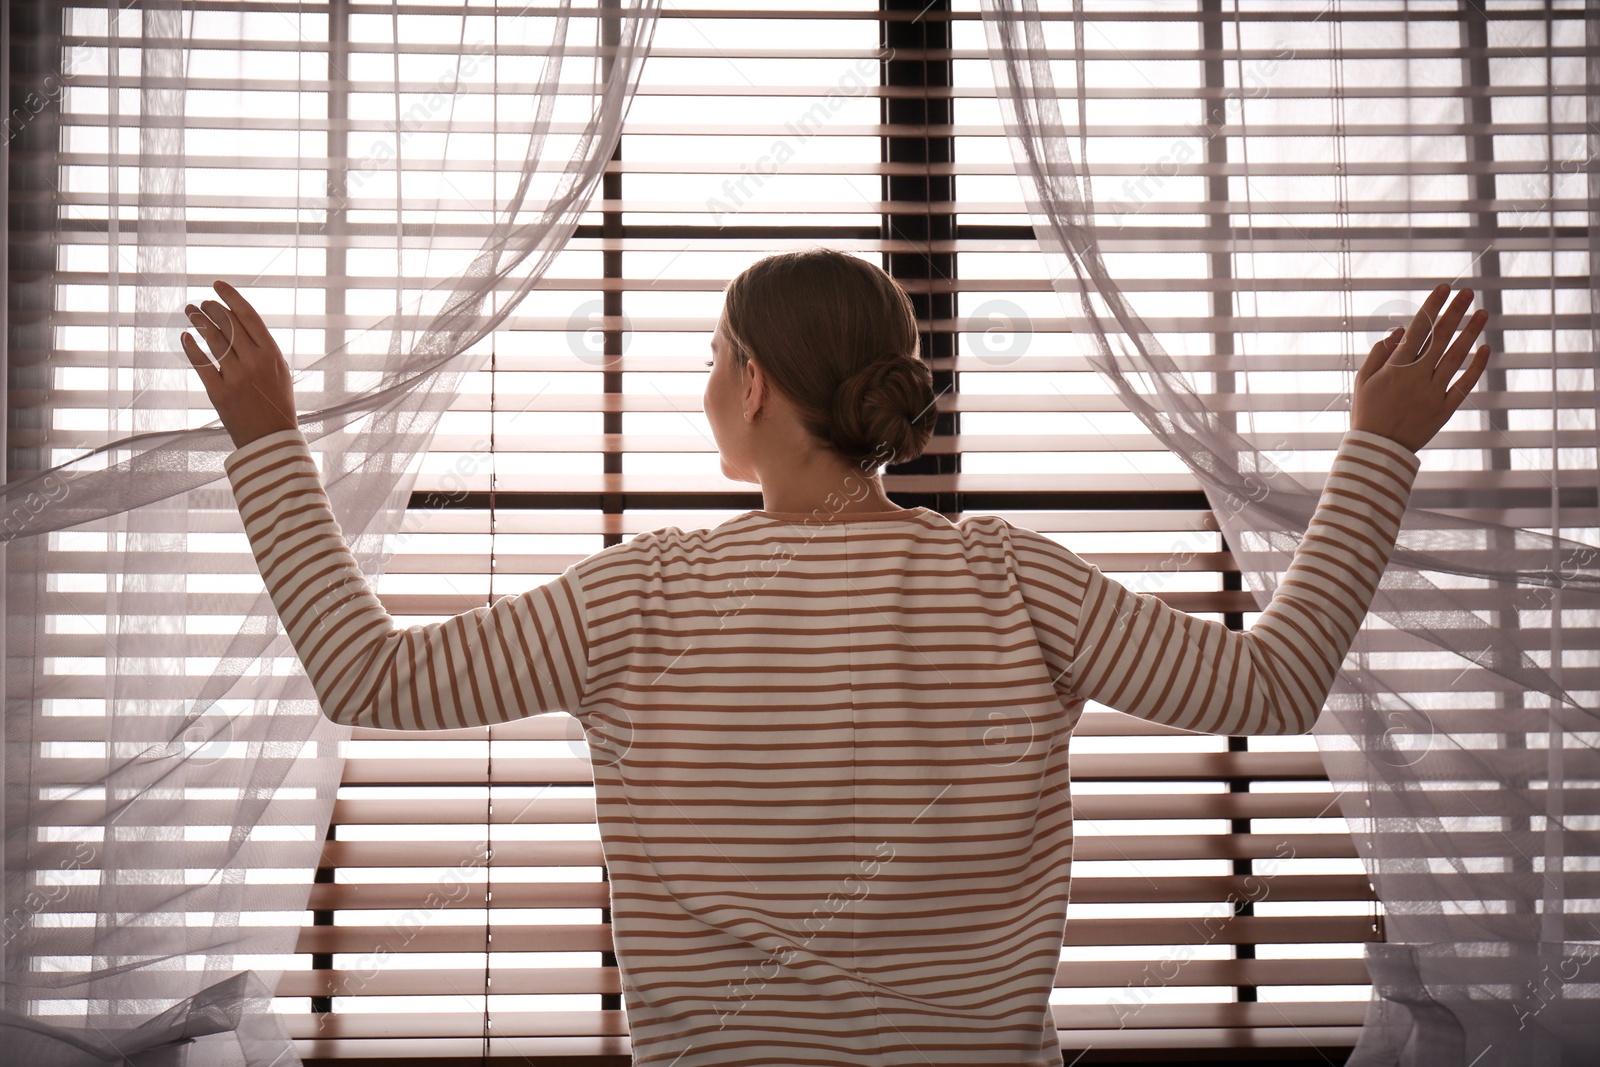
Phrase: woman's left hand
(250, 383)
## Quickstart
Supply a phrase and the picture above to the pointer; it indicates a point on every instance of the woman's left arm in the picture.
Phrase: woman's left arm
(523, 655)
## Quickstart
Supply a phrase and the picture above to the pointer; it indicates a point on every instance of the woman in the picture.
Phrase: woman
(830, 737)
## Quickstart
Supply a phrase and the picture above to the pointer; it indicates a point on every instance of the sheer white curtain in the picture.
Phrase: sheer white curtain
(1356, 148)
(168, 776)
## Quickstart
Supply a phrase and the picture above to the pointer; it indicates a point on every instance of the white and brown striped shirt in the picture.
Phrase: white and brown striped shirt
(830, 757)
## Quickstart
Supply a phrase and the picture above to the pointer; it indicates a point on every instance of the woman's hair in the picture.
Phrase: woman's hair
(838, 337)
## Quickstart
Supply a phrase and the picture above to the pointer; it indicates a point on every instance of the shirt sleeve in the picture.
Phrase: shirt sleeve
(522, 655)
(1133, 653)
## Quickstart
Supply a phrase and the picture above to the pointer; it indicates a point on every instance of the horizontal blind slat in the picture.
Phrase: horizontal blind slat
(554, 980)
(1085, 890)
(1082, 932)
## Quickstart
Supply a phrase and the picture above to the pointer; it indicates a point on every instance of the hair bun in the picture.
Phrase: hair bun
(884, 412)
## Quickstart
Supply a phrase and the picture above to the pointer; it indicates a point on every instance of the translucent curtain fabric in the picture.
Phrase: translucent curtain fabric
(1470, 792)
(163, 820)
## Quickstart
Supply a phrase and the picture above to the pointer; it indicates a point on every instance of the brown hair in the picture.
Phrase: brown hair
(838, 337)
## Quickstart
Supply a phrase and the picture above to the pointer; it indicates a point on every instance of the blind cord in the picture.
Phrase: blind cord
(1341, 180)
(1246, 184)
(488, 730)
(1341, 184)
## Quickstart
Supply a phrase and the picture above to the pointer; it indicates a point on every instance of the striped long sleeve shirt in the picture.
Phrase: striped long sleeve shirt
(830, 754)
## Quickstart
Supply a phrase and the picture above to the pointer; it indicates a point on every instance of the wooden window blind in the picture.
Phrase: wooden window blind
(1244, 914)
(1217, 896)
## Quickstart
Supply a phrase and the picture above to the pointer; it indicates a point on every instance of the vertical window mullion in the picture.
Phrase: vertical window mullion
(611, 300)
(923, 273)
(35, 217)
(1478, 108)
(1218, 189)
(335, 230)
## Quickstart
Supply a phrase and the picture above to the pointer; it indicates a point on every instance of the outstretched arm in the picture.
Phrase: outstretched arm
(1134, 653)
(523, 655)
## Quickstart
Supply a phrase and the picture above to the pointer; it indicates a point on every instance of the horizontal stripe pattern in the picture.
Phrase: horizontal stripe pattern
(1135, 654)
(830, 757)
(472, 669)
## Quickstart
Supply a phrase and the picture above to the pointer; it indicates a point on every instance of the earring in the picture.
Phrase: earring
(747, 416)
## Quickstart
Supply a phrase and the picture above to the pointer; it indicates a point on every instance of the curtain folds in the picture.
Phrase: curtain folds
(1463, 755)
(166, 765)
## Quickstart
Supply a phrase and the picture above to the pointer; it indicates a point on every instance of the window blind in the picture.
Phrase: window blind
(1217, 897)
(1244, 914)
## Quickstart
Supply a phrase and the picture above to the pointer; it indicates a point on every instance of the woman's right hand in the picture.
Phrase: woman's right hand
(1400, 391)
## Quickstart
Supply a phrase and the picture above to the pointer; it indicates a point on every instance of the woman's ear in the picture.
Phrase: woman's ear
(755, 387)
